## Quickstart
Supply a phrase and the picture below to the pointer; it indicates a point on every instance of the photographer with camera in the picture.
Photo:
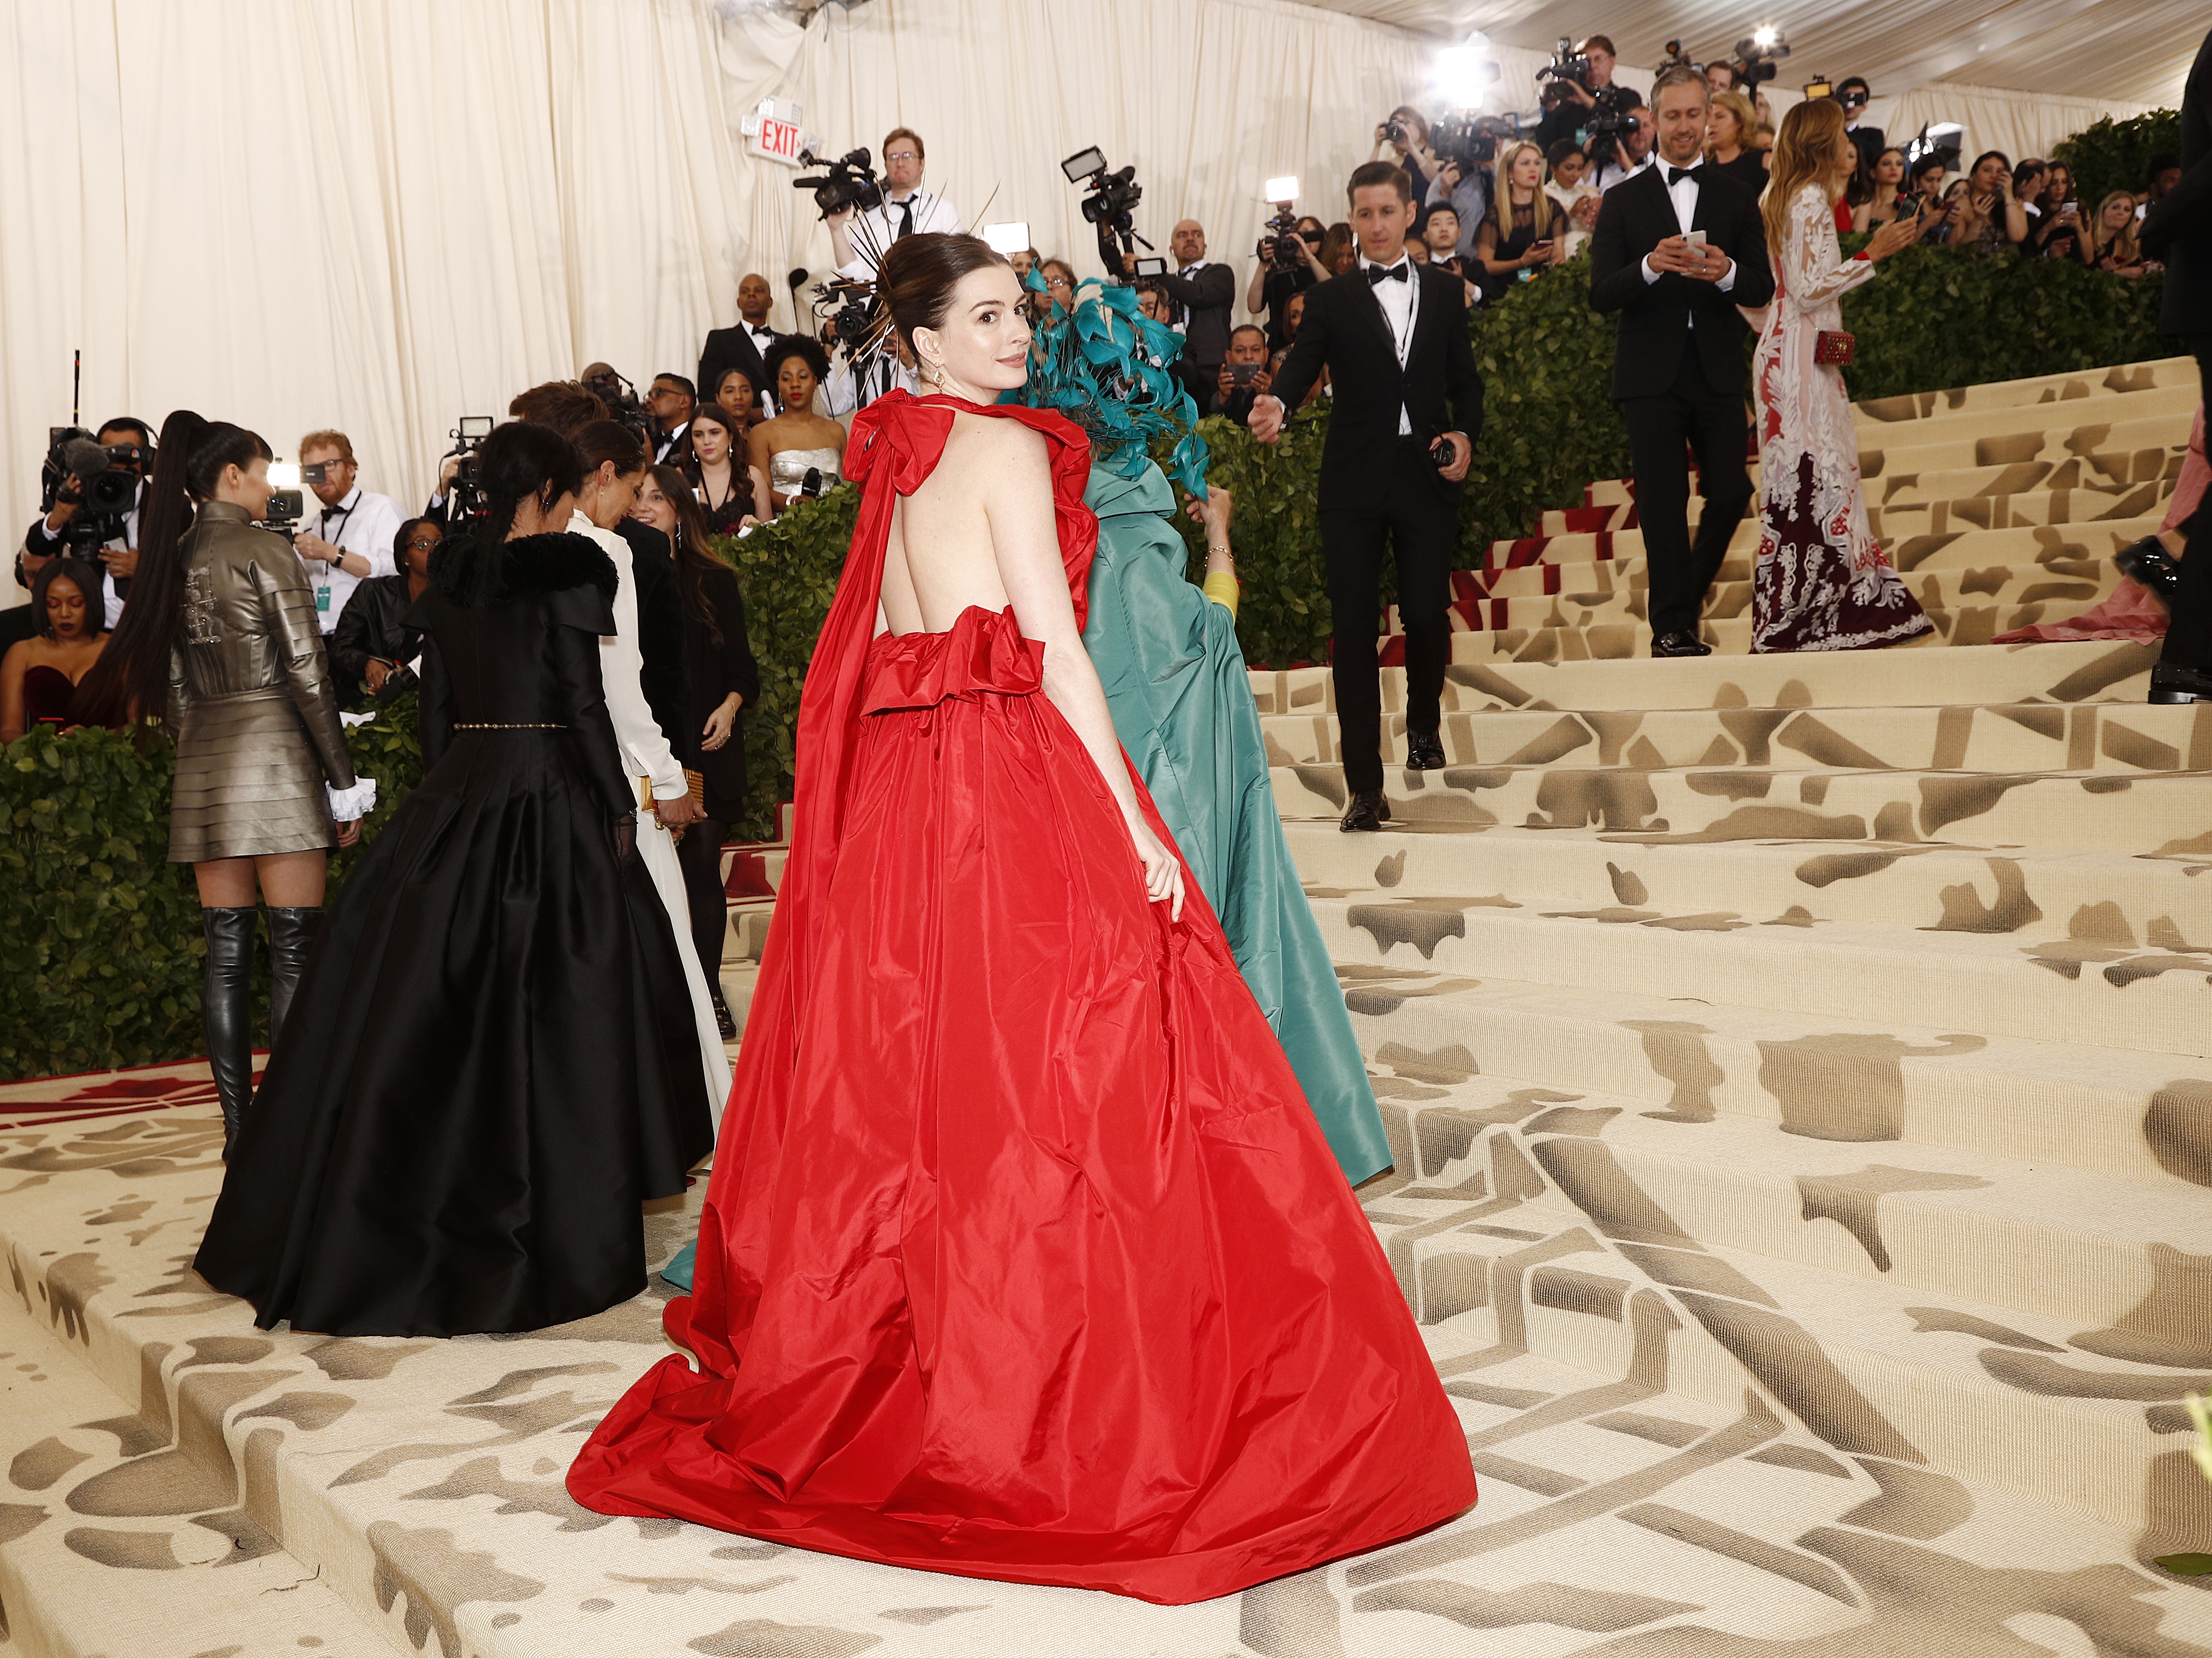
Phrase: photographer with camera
(1677, 249)
(903, 207)
(1243, 376)
(1462, 183)
(1408, 410)
(353, 540)
(1632, 151)
(1405, 138)
(1201, 297)
(1853, 92)
(1290, 263)
(1579, 98)
(95, 489)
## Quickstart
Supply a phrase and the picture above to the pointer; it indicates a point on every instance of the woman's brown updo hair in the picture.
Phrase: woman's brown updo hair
(919, 273)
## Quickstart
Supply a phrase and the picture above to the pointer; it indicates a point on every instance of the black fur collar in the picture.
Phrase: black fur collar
(471, 574)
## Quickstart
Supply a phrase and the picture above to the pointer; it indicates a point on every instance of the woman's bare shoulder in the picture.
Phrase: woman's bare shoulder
(995, 439)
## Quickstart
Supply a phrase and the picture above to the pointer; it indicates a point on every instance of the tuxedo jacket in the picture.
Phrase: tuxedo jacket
(2179, 226)
(1439, 387)
(660, 629)
(726, 348)
(1654, 328)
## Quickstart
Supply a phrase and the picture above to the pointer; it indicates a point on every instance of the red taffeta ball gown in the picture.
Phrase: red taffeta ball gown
(1023, 1258)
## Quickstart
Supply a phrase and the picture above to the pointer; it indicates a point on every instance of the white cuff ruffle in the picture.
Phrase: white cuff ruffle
(348, 805)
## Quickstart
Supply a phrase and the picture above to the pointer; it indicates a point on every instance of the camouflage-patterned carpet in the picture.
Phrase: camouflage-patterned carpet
(1798, 1071)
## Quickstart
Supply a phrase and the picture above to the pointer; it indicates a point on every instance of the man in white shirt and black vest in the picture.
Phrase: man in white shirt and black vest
(1406, 411)
(351, 541)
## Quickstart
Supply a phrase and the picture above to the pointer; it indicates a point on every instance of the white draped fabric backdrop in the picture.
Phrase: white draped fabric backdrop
(380, 214)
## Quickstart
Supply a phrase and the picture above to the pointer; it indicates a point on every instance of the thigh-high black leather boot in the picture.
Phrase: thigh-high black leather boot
(292, 934)
(224, 1014)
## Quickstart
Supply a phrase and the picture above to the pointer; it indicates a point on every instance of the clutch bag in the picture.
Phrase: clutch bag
(695, 785)
(1834, 348)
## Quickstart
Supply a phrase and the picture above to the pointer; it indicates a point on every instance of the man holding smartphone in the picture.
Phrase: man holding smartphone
(1243, 376)
(353, 538)
(1677, 249)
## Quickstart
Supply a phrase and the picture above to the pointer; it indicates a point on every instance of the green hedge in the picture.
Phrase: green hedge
(102, 958)
(2116, 154)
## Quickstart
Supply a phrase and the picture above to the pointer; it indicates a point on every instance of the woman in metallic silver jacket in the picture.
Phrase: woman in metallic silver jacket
(220, 639)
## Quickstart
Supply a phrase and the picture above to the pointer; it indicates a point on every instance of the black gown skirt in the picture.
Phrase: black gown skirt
(490, 1062)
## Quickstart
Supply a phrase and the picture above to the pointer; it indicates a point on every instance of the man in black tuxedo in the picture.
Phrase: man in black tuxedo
(745, 346)
(1406, 411)
(2178, 229)
(1676, 249)
(1853, 92)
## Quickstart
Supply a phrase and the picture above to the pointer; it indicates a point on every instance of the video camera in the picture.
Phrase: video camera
(1755, 59)
(1110, 204)
(847, 182)
(285, 509)
(1567, 65)
(108, 486)
(847, 313)
(465, 497)
(1467, 141)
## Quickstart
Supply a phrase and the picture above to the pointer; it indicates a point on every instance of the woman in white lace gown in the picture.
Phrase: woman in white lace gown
(1821, 582)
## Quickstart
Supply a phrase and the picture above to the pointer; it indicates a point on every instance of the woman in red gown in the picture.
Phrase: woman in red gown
(1023, 1258)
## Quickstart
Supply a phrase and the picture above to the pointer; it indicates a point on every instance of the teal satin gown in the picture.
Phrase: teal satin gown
(1182, 707)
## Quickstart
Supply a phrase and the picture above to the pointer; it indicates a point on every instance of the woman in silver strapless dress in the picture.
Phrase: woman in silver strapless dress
(797, 442)
(219, 640)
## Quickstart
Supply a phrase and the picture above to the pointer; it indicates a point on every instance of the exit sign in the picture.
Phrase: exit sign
(775, 131)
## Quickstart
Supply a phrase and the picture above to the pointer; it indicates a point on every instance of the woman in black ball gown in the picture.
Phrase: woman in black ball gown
(491, 1060)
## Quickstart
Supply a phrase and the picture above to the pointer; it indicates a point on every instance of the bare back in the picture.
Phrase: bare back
(943, 556)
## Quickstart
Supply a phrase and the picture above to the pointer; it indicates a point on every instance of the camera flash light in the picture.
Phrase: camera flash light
(1281, 190)
(1766, 36)
(284, 475)
(1010, 238)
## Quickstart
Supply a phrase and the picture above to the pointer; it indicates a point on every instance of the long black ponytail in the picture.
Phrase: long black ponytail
(129, 682)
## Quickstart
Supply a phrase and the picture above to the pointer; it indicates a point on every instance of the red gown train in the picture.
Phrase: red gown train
(1024, 1257)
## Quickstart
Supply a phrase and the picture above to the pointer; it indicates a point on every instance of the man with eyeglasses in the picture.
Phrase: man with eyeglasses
(668, 406)
(352, 541)
(907, 208)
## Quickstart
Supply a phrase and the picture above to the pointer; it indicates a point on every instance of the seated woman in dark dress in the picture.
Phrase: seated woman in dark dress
(1525, 230)
(373, 642)
(721, 680)
(39, 675)
(491, 1060)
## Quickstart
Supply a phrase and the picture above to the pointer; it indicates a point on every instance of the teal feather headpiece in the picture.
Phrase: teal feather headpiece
(1105, 367)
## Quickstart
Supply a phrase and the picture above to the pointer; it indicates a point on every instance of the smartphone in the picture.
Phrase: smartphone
(1152, 267)
(1244, 373)
(1544, 246)
(1697, 237)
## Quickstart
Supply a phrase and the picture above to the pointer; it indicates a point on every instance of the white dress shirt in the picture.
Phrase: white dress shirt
(365, 523)
(1614, 173)
(43, 543)
(645, 752)
(1401, 305)
(664, 447)
(1683, 193)
(880, 226)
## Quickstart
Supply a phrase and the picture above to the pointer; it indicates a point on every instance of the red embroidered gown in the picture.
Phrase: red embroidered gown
(1023, 1258)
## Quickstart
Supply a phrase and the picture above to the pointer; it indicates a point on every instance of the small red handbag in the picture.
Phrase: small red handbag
(1834, 348)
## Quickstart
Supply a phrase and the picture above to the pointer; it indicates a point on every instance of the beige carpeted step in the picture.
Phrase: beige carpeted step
(1544, 1242)
(2041, 986)
(2157, 812)
(2124, 901)
(1831, 1075)
(2177, 376)
(101, 1553)
(1911, 478)
(2078, 419)
(2122, 737)
(2098, 671)
(2081, 502)
(1960, 546)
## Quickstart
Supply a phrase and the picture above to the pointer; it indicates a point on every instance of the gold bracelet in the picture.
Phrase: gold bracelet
(1211, 548)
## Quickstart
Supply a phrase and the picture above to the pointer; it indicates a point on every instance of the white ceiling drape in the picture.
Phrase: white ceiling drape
(380, 214)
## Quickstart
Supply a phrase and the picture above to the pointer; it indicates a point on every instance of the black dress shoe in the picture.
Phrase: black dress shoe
(1425, 751)
(723, 1022)
(2150, 566)
(1368, 811)
(2169, 682)
(1679, 644)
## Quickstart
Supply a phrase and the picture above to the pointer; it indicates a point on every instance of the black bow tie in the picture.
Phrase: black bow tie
(330, 513)
(1676, 174)
(1399, 272)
